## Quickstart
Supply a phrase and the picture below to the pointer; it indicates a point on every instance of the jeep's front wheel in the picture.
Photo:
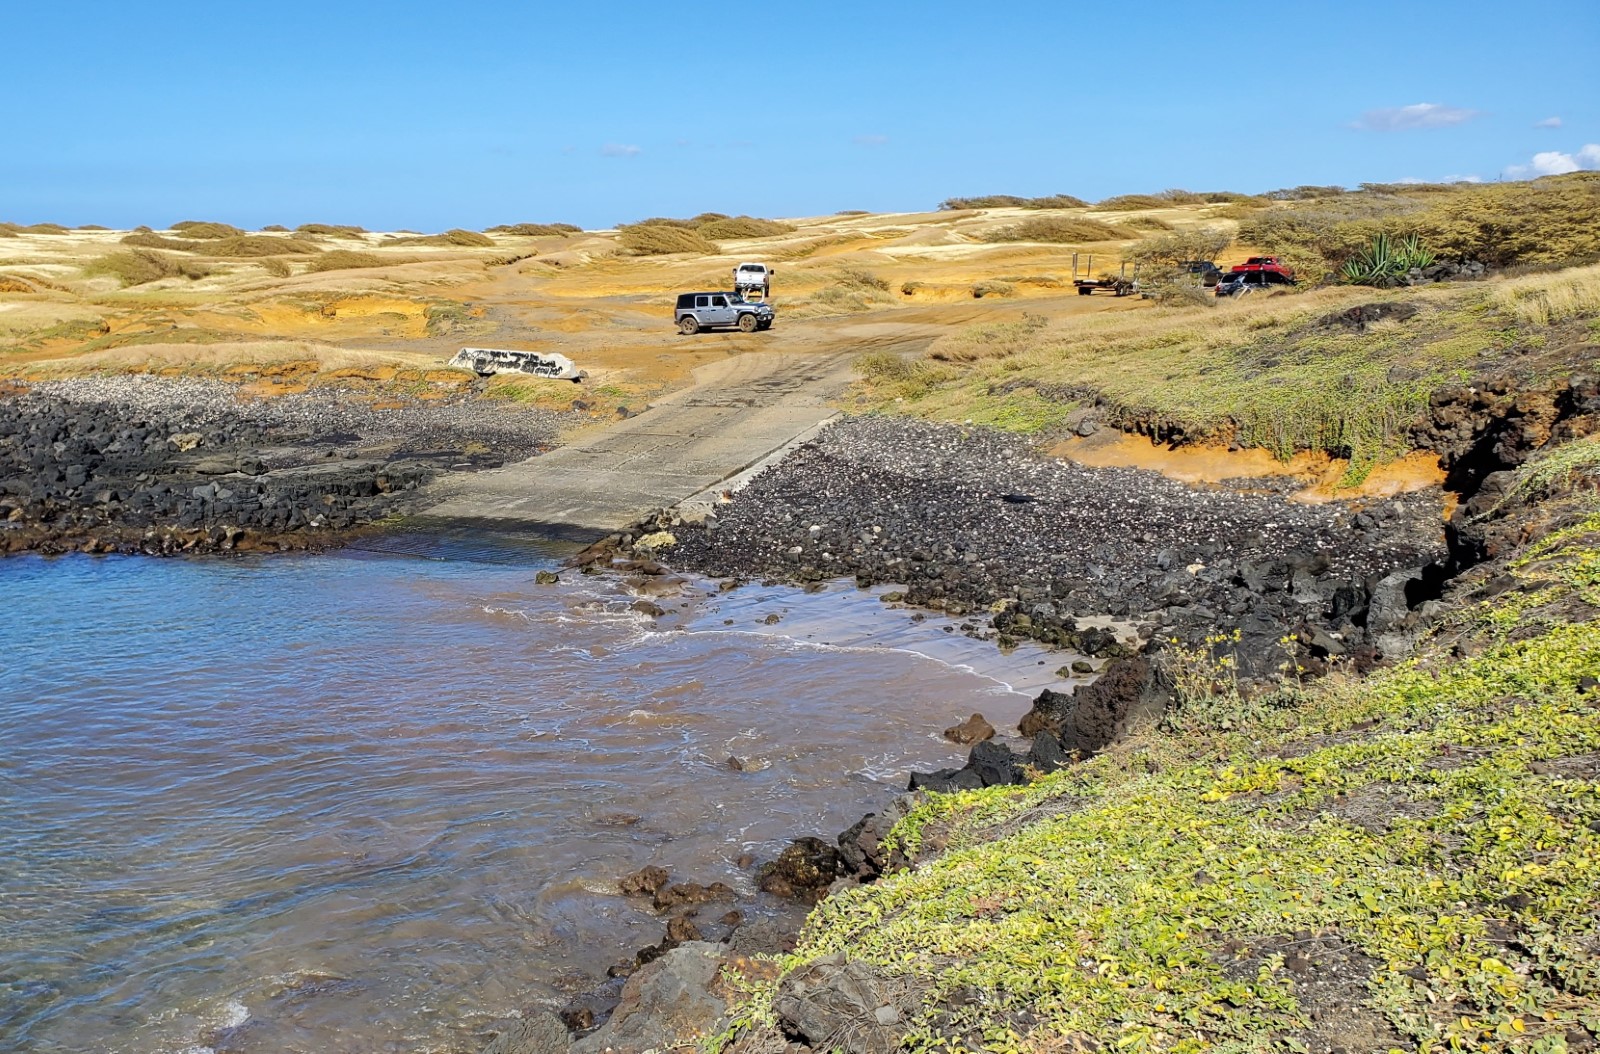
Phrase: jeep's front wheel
(748, 322)
(689, 326)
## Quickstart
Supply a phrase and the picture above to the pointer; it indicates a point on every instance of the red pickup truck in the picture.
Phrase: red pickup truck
(1266, 264)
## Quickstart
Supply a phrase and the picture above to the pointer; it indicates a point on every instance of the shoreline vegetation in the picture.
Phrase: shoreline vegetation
(1342, 793)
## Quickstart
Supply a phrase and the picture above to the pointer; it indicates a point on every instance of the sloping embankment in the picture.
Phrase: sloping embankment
(1407, 860)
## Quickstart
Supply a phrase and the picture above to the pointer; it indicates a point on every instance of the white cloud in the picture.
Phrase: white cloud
(1417, 115)
(870, 140)
(1548, 122)
(1556, 162)
(620, 150)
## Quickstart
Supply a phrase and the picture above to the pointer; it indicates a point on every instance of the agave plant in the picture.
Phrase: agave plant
(1386, 262)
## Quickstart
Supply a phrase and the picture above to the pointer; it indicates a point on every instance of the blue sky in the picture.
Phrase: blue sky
(428, 116)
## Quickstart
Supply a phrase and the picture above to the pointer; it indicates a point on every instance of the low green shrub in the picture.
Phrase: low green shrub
(277, 268)
(1386, 261)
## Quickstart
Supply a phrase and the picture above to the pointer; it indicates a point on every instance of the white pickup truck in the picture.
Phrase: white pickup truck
(749, 277)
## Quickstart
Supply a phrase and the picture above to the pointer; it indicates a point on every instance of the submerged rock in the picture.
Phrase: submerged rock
(670, 1003)
(973, 730)
(543, 1033)
(803, 871)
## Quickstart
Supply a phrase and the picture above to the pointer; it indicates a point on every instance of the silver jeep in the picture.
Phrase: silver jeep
(697, 311)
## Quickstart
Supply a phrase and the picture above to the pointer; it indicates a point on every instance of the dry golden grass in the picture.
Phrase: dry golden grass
(1540, 299)
(345, 259)
(332, 230)
(216, 357)
(133, 267)
(537, 230)
(733, 227)
(453, 237)
(1060, 230)
(202, 229)
(660, 239)
(1268, 371)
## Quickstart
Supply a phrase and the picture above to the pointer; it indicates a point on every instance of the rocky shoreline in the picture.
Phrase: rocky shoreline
(976, 525)
(141, 464)
(968, 522)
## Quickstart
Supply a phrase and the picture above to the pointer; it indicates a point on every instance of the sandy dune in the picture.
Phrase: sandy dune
(844, 282)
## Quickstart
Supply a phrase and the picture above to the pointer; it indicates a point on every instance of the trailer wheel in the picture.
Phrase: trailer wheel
(689, 326)
(1084, 290)
(748, 322)
(765, 325)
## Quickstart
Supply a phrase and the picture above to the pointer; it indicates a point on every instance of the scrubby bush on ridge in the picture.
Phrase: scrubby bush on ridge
(1058, 229)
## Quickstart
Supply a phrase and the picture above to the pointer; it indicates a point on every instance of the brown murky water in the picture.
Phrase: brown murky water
(373, 802)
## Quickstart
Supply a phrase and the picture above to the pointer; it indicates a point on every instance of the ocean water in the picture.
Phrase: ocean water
(376, 801)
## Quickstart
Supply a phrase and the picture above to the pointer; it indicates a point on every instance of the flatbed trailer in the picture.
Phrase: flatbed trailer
(1120, 284)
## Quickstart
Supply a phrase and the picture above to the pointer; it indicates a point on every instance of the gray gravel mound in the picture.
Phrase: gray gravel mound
(966, 517)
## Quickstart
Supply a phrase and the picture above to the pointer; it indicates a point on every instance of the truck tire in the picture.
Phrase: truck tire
(748, 322)
(765, 325)
(689, 326)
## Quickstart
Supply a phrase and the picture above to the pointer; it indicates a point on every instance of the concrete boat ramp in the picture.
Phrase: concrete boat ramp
(737, 414)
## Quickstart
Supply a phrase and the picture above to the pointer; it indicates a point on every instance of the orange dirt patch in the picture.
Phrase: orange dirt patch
(375, 374)
(1213, 464)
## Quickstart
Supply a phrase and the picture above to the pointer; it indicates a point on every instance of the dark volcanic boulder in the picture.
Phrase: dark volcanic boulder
(803, 871)
(1098, 714)
(543, 1033)
(995, 764)
(1127, 691)
(861, 849)
(643, 882)
(1050, 713)
(840, 1005)
(667, 1004)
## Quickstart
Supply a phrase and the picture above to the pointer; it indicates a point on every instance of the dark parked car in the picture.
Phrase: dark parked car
(1210, 274)
(697, 311)
(1241, 282)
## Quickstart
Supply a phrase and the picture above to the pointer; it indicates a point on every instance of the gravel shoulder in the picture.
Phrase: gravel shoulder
(159, 465)
(975, 523)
